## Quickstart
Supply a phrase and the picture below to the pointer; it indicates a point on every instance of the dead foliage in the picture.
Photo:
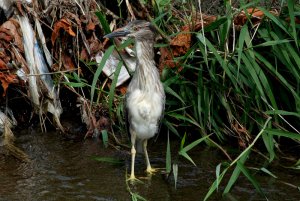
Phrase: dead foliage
(73, 34)
(10, 47)
(64, 24)
(181, 43)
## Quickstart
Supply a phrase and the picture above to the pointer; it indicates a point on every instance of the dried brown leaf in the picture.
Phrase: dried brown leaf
(179, 46)
(123, 89)
(84, 54)
(12, 26)
(182, 42)
(95, 46)
(7, 79)
(2, 65)
(5, 35)
(91, 26)
(166, 59)
(255, 14)
(61, 24)
(68, 63)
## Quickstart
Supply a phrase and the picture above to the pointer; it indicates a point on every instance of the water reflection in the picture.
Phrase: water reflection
(63, 170)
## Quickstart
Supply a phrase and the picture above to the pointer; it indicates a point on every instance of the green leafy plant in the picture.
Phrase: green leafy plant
(240, 83)
(237, 82)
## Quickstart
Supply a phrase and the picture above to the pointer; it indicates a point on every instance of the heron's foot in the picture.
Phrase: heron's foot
(151, 170)
(132, 179)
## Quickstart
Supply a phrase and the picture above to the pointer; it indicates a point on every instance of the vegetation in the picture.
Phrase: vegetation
(238, 80)
(231, 80)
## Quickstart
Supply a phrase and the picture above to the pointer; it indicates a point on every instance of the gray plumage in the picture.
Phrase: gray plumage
(145, 97)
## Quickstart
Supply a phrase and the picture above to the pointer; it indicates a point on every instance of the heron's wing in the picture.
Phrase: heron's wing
(127, 118)
(138, 143)
(159, 123)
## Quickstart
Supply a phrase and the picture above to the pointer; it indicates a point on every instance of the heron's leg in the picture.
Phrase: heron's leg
(149, 169)
(133, 153)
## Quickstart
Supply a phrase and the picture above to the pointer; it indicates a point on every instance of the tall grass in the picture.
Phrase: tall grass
(246, 86)
(241, 84)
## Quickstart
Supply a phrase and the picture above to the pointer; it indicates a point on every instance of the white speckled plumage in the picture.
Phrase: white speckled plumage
(145, 103)
(145, 97)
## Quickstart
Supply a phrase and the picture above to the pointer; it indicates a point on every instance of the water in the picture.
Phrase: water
(64, 170)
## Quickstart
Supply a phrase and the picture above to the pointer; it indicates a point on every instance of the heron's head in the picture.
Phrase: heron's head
(138, 29)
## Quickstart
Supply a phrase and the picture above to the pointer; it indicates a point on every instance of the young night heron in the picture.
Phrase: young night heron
(145, 97)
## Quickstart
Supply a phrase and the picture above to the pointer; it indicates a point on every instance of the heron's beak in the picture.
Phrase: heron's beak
(120, 33)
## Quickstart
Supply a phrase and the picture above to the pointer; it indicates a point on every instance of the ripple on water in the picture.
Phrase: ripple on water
(63, 170)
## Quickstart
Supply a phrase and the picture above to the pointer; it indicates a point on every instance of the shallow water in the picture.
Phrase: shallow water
(64, 170)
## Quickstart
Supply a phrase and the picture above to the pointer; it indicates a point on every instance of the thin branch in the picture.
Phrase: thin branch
(52, 73)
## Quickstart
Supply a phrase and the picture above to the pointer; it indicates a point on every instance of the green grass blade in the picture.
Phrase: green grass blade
(76, 77)
(193, 144)
(168, 156)
(170, 127)
(171, 80)
(173, 93)
(272, 43)
(185, 155)
(294, 55)
(282, 133)
(280, 77)
(125, 44)
(136, 197)
(291, 4)
(282, 112)
(215, 185)
(103, 21)
(236, 173)
(276, 20)
(268, 172)
(182, 141)
(184, 118)
(218, 170)
(253, 74)
(269, 143)
(104, 138)
(175, 174)
(75, 84)
(216, 24)
(242, 37)
(108, 160)
(113, 86)
(264, 82)
(217, 56)
(245, 171)
(106, 55)
(183, 150)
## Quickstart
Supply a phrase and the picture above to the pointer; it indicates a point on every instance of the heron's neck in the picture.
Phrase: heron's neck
(144, 50)
(146, 72)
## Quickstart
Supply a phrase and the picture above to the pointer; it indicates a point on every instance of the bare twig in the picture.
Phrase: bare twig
(107, 11)
(202, 25)
(52, 73)
(80, 7)
(130, 10)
